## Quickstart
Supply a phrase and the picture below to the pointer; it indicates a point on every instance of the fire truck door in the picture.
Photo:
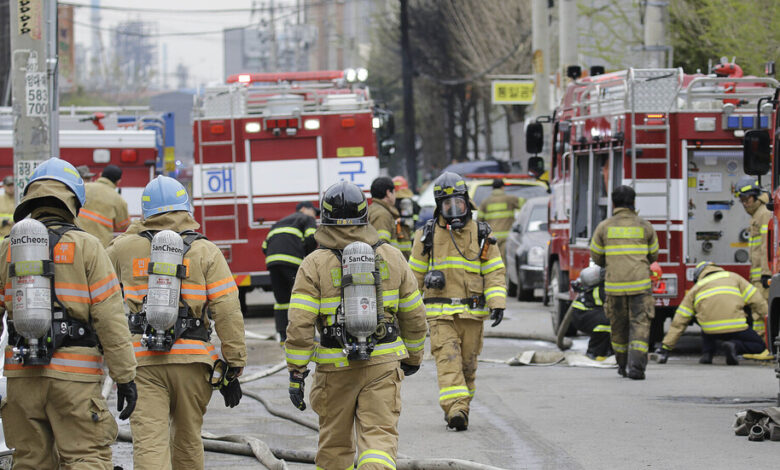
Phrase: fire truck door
(717, 223)
(592, 171)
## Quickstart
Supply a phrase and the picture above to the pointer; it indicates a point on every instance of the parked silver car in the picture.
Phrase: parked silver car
(525, 249)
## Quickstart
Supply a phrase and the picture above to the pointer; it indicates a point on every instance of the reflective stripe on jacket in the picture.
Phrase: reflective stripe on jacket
(499, 211)
(208, 282)
(383, 218)
(625, 244)
(290, 240)
(7, 206)
(105, 211)
(759, 230)
(717, 302)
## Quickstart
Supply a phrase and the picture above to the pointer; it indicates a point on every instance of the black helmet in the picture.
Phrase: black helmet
(344, 204)
(452, 199)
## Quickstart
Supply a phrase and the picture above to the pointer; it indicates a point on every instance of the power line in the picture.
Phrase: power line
(157, 35)
(204, 11)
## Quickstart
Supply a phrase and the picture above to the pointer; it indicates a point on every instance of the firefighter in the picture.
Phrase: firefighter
(625, 245)
(357, 380)
(754, 201)
(589, 314)
(285, 246)
(105, 211)
(717, 300)
(54, 414)
(163, 261)
(382, 214)
(409, 212)
(499, 211)
(7, 205)
(459, 266)
(85, 172)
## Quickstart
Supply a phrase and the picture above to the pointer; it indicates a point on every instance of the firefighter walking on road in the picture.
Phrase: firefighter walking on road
(64, 317)
(717, 300)
(7, 205)
(362, 298)
(105, 211)
(625, 245)
(285, 246)
(754, 201)
(170, 273)
(499, 211)
(408, 211)
(460, 267)
(382, 214)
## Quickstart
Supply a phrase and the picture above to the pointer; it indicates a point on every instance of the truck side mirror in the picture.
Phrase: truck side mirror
(536, 166)
(534, 138)
(757, 156)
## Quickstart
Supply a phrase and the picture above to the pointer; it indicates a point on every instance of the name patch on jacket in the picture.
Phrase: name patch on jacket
(141, 267)
(625, 232)
(64, 252)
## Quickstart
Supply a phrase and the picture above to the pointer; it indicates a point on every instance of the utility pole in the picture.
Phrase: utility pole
(655, 34)
(34, 86)
(406, 74)
(568, 39)
(541, 57)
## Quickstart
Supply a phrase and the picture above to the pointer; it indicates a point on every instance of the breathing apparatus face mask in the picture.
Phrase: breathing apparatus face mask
(455, 211)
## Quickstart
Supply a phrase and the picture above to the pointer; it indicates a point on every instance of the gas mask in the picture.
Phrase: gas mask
(406, 208)
(455, 211)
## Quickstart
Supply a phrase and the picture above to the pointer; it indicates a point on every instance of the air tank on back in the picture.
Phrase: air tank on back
(162, 299)
(360, 310)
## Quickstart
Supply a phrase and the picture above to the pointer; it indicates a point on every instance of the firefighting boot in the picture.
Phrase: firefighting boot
(637, 362)
(622, 360)
(706, 358)
(458, 420)
(730, 351)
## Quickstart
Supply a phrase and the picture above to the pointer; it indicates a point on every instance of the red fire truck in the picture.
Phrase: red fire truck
(133, 146)
(677, 140)
(265, 142)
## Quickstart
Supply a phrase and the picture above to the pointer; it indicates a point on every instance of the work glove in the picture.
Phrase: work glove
(296, 388)
(663, 355)
(230, 388)
(409, 369)
(496, 314)
(126, 392)
(765, 279)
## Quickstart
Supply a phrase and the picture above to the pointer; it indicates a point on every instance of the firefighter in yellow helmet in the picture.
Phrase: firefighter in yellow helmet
(717, 300)
(460, 267)
(170, 273)
(362, 298)
(499, 211)
(754, 201)
(625, 245)
(7, 205)
(105, 211)
(64, 317)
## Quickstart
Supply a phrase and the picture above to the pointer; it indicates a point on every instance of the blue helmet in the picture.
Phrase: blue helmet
(164, 194)
(62, 171)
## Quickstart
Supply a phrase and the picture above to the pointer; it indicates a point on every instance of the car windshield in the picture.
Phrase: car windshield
(525, 191)
(537, 222)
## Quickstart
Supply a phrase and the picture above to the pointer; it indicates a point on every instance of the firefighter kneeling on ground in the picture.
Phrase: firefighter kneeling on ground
(717, 300)
(459, 265)
(362, 298)
(64, 316)
(170, 273)
(588, 315)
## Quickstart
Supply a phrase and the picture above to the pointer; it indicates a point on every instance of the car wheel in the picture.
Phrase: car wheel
(511, 287)
(559, 283)
(523, 294)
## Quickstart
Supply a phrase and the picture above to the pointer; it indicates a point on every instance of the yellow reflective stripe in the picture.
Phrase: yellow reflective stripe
(725, 290)
(764, 229)
(720, 325)
(625, 232)
(285, 258)
(305, 302)
(579, 305)
(495, 292)
(402, 245)
(384, 235)
(619, 347)
(613, 250)
(684, 311)
(437, 310)
(630, 286)
(501, 235)
(328, 305)
(390, 299)
(654, 247)
(417, 265)
(759, 326)
(596, 248)
(414, 345)
(298, 357)
(281, 306)
(456, 262)
(748, 293)
(336, 355)
(407, 304)
(596, 296)
(640, 346)
(712, 277)
(287, 230)
(496, 206)
(498, 215)
(309, 232)
(376, 456)
(448, 393)
(602, 329)
(491, 265)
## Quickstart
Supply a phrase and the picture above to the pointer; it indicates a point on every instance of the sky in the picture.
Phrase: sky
(202, 53)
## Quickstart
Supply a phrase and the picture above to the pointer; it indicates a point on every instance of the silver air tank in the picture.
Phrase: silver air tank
(162, 299)
(360, 310)
(30, 289)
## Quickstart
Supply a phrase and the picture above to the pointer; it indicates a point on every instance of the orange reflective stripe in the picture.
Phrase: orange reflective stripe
(72, 292)
(181, 346)
(104, 288)
(221, 287)
(136, 292)
(193, 291)
(123, 224)
(95, 217)
(63, 362)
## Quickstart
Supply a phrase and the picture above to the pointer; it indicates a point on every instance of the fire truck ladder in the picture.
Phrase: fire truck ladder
(654, 91)
(233, 214)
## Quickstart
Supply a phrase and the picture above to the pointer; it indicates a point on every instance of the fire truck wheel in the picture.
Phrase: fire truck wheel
(559, 283)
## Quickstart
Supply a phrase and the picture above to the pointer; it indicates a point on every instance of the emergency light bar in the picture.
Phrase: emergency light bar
(324, 75)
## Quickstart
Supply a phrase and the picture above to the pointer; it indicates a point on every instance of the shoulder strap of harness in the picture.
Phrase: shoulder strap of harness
(55, 234)
(427, 235)
(483, 230)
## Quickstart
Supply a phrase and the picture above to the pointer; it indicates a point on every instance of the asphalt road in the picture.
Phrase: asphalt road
(538, 417)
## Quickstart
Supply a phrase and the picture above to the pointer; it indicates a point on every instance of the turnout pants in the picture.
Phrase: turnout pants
(629, 317)
(282, 281)
(168, 417)
(456, 344)
(595, 323)
(55, 424)
(361, 404)
(746, 342)
(759, 325)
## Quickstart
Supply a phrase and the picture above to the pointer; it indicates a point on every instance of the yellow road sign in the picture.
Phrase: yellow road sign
(513, 91)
